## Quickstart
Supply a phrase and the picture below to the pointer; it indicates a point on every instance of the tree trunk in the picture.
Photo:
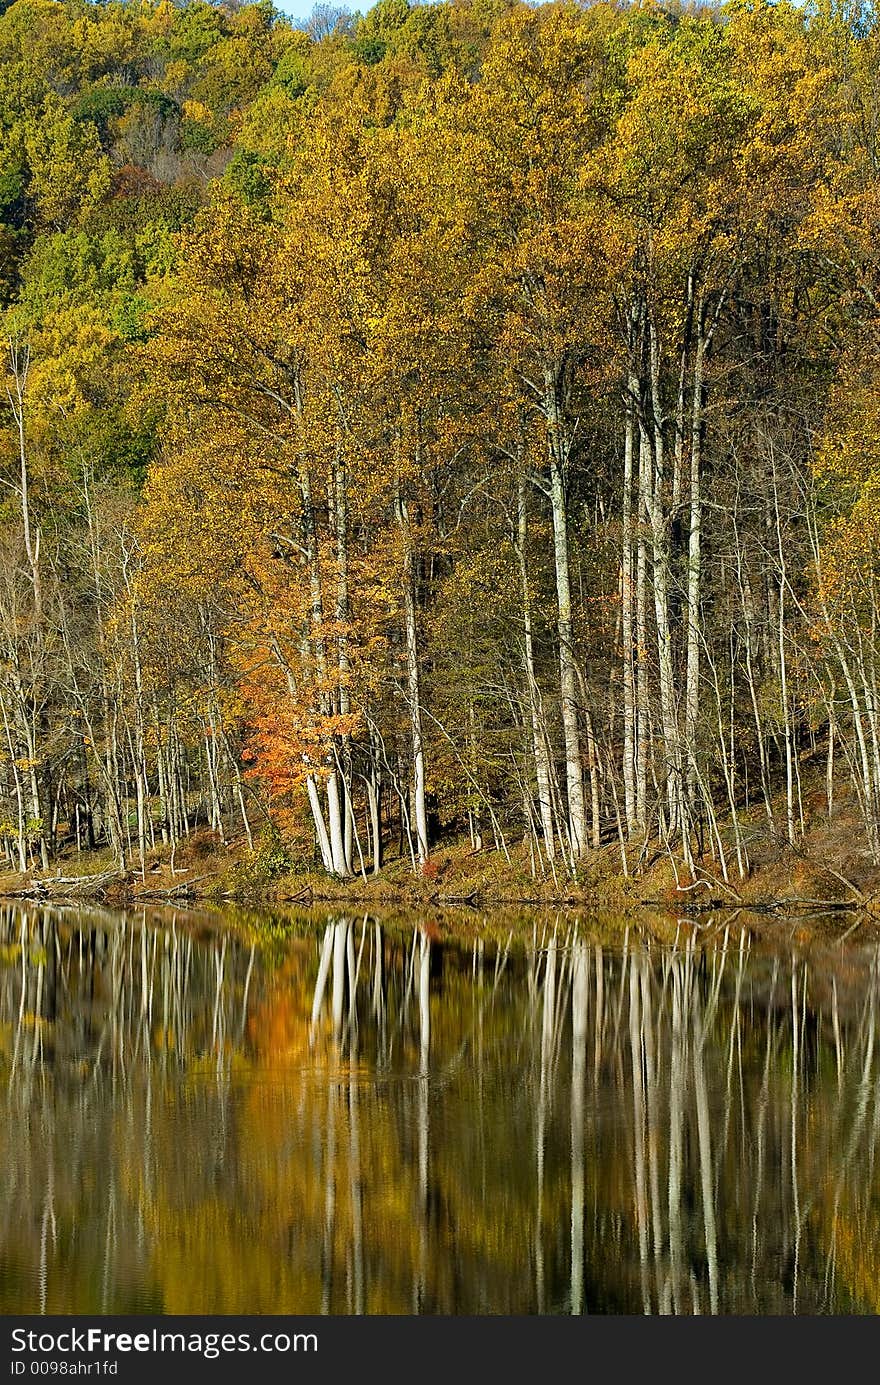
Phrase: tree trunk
(574, 772)
(630, 798)
(420, 814)
(660, 540)
(692, 676)
(539, 744)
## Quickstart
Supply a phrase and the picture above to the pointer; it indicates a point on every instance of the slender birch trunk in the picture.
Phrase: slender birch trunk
(630, 793)
(420, 814)
(340, 483)
(574, 771)
(539, 745)
(643, 702)
(331, 832)
(19, 363)
(694, 567)
(661, 553)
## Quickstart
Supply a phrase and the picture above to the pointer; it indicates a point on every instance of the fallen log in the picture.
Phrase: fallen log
(78, 882)
(299, 897)
(183, 890)
(826, 905)
(64, 886)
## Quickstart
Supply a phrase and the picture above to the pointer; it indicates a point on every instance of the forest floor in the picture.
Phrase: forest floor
(827, 870)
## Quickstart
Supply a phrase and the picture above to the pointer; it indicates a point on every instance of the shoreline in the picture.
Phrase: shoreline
(821, 875)
(614, 893)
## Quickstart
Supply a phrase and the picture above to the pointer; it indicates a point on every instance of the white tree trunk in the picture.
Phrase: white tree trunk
(694, 571)
(574, 773)
(420, 814)
(626, 603)
(539, 744)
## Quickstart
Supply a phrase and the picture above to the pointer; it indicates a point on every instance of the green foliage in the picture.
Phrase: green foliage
(249, 175)
(197, 28)
(114, 447)
(198, 136)
(394, 27)
(369, 49)
(101, 105)
(12, 190)
(292, 72)
(106, 272)
(269, 859)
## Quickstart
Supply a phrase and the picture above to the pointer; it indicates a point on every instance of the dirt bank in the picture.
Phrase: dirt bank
(825, 871)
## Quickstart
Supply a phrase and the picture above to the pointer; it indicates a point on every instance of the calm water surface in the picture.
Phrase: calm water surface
(357, 1119)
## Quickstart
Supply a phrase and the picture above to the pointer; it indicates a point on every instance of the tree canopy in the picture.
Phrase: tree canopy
(453, 418)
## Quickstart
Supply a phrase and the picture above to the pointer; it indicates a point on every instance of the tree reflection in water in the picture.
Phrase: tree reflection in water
(363, 1119)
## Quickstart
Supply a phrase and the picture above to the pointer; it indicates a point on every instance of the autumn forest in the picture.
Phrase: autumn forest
(456, 422)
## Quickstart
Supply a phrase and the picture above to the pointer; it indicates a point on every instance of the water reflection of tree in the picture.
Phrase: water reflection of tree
(376, 1122)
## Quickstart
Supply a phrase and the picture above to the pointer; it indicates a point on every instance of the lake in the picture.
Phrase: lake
(334, 1115)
